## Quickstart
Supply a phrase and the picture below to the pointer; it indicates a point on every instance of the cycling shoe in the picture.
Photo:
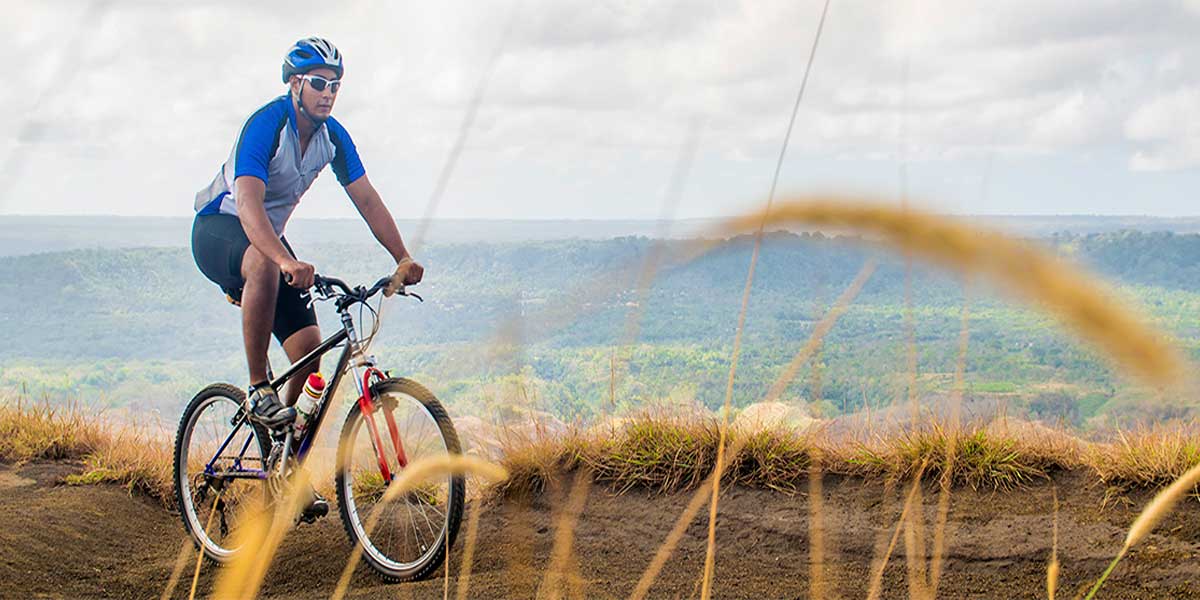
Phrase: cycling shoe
(267, 410)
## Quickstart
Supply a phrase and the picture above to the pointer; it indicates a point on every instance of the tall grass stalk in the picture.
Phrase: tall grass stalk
(1053, 567)
(943, 510)
(664, 551)
(181, 560)
(1162, 504)
(914, 546)
(823, 327)
(876, 585)
(468, 555)
(414, 474)
(711, 548)
(1079, 301)
(564, 535)
(200, 553)
(258, 539)
(816, 533)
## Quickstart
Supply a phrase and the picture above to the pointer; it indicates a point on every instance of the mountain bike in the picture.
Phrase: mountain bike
(225, 463)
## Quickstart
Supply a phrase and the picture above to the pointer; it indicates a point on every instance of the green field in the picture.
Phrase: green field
(551, 324)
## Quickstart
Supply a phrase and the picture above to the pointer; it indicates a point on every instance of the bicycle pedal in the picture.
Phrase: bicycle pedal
(312, 513)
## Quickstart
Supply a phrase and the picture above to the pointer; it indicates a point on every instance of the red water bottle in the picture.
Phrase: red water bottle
(306, 406)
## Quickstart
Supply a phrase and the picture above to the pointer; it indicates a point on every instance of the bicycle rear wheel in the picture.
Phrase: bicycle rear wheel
(219, 457)
(405, 539)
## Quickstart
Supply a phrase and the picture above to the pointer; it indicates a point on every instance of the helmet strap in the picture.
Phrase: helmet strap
(300, 107)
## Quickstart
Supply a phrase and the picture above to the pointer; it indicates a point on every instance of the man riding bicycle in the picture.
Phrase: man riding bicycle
(237, 237)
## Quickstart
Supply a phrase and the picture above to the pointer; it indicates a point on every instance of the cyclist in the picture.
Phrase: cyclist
(237, 236)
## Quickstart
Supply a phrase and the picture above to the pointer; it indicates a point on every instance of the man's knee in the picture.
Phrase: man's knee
(302, 342)
(258, 268)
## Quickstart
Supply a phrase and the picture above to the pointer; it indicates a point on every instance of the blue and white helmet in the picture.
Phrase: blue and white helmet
(311, 53)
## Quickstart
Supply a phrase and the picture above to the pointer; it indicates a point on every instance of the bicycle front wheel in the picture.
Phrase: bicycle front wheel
(405, 539)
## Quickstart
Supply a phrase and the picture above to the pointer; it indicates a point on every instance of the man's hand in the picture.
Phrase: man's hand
(408, 272)
(298, 274)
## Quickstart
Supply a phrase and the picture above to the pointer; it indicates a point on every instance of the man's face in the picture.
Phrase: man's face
(317, 104)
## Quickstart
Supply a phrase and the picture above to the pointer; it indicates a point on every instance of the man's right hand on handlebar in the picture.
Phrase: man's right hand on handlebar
(298, 274)
(408, 272)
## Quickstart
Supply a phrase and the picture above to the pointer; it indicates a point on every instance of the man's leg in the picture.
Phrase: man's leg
(258, 315)
(296, 346)
(258, 310)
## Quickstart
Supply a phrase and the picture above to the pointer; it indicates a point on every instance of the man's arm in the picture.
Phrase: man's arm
(250, 193)
(366, 199)
(383, 227)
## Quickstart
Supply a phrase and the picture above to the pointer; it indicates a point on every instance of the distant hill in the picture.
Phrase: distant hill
(546, 320)
(37, 234)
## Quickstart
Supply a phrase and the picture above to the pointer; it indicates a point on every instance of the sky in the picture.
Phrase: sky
(1002, 107)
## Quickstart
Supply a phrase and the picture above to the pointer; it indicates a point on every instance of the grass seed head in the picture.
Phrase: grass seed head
(1080, 302)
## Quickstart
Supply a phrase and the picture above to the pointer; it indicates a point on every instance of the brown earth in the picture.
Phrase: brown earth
(59, 541)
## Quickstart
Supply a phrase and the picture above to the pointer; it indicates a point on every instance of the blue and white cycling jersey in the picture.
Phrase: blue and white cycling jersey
(269, 149)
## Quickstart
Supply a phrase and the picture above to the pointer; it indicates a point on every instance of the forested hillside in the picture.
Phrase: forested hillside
(551, 321)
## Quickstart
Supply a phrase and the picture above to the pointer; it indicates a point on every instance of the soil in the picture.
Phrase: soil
(61, 541)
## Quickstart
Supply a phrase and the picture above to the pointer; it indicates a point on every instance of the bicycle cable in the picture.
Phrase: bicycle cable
(376, 318)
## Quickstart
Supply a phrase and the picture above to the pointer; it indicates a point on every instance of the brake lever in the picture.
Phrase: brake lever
(325, 291)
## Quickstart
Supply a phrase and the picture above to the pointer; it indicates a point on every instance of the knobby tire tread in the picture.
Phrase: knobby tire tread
(260, 434)
(458, 487)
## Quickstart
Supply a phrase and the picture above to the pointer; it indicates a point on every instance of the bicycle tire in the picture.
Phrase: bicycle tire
(182, 436)
(433, 559)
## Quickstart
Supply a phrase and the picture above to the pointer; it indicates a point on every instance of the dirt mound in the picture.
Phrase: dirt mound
(59, 541)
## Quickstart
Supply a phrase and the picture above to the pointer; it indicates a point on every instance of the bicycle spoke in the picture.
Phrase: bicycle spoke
(203, 471)
(408, 530)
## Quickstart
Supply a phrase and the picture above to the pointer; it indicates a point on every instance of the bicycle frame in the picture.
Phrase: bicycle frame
(347, 337)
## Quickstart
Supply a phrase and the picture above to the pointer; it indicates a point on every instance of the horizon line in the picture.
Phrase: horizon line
(603, 219)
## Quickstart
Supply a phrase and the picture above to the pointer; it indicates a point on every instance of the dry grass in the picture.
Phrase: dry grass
(659, 453)
(984, 457)
(665, 453)
(125, 456)
(132, 459)
(31, 431)
(1147, 457)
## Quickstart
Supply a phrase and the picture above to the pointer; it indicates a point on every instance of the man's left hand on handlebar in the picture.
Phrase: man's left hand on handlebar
(408, 272)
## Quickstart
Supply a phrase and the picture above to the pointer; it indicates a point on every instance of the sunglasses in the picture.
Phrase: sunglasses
(318, 83)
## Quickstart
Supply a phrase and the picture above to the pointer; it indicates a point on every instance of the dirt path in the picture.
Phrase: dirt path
(60, 541)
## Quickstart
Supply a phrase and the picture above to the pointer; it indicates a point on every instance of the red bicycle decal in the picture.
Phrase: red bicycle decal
(367, 405)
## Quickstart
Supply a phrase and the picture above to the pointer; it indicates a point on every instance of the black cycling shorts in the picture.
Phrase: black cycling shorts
(218, 244)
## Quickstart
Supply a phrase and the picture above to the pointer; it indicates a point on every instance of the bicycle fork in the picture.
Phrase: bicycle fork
(366, 405)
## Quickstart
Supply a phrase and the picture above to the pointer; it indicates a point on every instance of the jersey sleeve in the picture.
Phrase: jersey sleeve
(347, 166)
(258, 141)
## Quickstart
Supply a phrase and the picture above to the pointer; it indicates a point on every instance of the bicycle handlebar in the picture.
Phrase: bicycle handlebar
(327, 286)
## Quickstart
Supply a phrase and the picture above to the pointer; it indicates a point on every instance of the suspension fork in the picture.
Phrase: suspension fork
(393, 431)
(366, 403)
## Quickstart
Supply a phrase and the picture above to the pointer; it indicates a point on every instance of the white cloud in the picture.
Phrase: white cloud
(580, 85)
(1166, 129)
